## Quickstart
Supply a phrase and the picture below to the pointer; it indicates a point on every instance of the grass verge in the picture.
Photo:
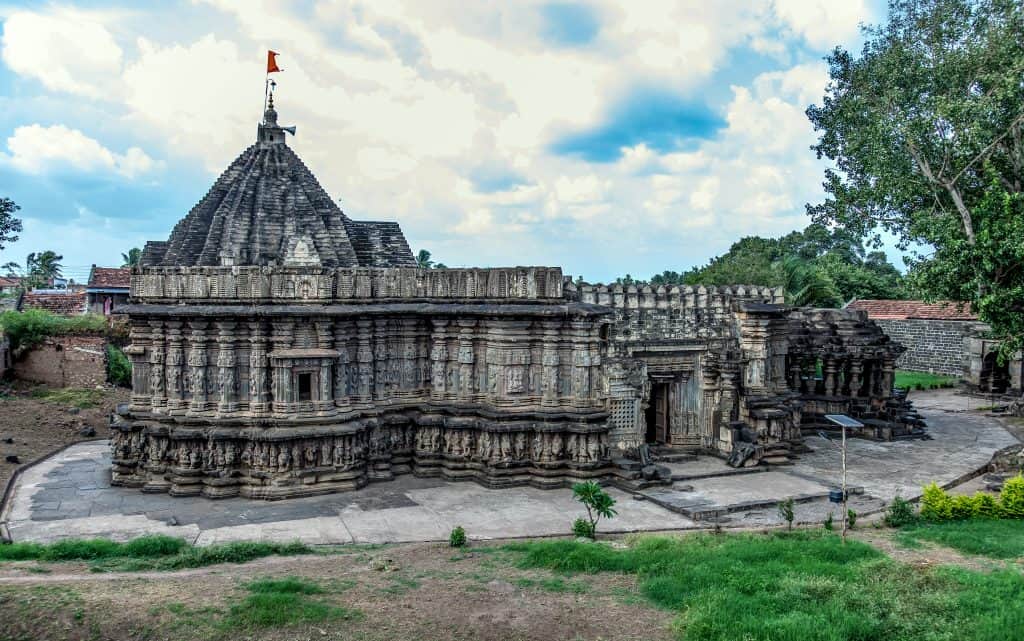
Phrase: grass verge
(798, 586)
(922, 380)
(994, 538)
(155, 552)
(279, 602)
(81, 398)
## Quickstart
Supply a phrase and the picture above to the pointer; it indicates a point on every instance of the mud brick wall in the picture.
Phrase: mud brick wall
(65, 361)
(934, 346)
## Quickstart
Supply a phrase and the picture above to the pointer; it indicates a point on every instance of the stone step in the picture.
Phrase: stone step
(776, 460)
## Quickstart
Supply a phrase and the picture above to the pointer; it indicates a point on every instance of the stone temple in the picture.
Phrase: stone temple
(282, 349)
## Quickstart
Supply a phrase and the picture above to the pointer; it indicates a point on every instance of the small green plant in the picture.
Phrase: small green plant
(786, 512)
(829, 526)
(936, 505)
(1011, 498)
(900, 512)
(599, 503)
(583, 528)
(457, 538)
(277, 602)
(119, 368)
(851, 517)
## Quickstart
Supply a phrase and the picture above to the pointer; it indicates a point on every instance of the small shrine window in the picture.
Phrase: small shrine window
(305, 386)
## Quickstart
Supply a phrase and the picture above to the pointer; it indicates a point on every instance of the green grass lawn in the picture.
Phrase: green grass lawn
(922, 380)
(995, 538)
(800, 586)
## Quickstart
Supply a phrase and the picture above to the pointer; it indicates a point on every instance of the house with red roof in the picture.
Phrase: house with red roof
(107, 290)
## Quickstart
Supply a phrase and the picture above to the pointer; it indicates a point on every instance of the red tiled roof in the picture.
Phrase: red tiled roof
(110, 277)
(902, 309)
(65, 304)
(8, 281)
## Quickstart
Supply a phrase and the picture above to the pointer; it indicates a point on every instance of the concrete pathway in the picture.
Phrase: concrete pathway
(69, 495)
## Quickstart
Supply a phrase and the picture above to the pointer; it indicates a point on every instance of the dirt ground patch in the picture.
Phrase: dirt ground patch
(415, 591)
(32, 427)
(922, 554)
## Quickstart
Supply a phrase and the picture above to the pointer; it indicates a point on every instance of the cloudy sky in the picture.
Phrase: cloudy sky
(605, 137)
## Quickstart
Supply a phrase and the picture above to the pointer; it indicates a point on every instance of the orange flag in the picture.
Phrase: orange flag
(272, 62)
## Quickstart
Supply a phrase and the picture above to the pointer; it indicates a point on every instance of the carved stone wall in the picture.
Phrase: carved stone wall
(273, 401)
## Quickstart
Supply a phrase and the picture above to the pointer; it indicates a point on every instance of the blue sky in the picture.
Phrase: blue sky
(603, 137)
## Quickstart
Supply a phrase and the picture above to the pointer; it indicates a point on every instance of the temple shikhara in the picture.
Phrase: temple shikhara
(282, 349)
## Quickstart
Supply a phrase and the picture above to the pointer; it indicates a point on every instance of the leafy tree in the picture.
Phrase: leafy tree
(9, 225)
(132, 258)
(41, 268)
(11, 269)
(817, 266)
(926, 131)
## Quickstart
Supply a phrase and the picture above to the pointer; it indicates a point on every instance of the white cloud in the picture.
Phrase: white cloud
(66, 50)
(36, 149)
(823, 23)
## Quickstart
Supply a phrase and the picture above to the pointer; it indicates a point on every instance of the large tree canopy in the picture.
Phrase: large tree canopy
(817, 266)
(926, 131)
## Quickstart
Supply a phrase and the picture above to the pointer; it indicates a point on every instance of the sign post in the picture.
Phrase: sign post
(843, 421)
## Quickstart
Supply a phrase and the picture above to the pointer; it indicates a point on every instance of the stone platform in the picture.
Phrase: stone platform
(69, 495)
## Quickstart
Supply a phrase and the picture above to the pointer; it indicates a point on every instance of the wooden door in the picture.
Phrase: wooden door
(661, 413)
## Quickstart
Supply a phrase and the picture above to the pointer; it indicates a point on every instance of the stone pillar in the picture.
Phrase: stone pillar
(888, 376)
(325, 394)
(381, 360)
(342, 369)
(829, 371)
(855, 376)
(549, 364)
(176, 369)
(466, 357)
(227, 376)
(197, 367)
(364, 356)
(259, 395)
(438, 358)
(157, 372)
(139, 337)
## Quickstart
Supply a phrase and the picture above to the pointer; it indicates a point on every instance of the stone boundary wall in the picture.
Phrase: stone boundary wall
(5, 354)
(933, 346)
(301, 284)
(65, 361)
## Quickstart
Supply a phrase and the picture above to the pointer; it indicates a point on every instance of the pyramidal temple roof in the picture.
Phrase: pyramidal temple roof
(267, 208)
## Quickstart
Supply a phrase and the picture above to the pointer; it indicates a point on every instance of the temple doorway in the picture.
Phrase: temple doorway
(658, 415)
(995, 377)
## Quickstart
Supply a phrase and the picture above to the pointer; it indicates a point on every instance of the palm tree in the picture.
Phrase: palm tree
(807, 285)
(132, 258)
(42, 267)
(423, 260)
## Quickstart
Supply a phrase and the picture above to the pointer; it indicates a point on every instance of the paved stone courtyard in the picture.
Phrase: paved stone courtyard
(69, 495)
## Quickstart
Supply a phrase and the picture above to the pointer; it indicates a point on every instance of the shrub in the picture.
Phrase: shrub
(598, 503)
(985, 506)
(936, 505)
(851, 518)
(961, 507)
(899, 513)
(828, 522)
(1011, 499)
(786, 512)
(119, 368)
(582, 528)
(457, 538)
(29, 328)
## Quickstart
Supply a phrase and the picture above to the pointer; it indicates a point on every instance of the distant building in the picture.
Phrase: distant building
(57, 301)
(107, 290)
(9, 285)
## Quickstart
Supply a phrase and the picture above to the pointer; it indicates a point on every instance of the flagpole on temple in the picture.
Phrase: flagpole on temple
(271, 68)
